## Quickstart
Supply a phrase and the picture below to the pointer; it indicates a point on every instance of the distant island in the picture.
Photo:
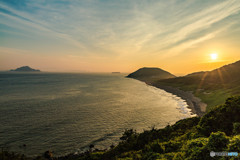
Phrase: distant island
(115, 72)
(25, 69)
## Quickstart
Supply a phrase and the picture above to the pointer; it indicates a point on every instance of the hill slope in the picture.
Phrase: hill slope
(150, 74)
(211, 86)
(221, 77)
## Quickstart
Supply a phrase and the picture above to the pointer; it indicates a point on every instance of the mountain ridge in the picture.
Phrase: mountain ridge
(212, 87)
(219, 77)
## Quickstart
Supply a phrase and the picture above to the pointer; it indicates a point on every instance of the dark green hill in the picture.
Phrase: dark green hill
(213, 87)
(225, 77)
(150, 74)
(25, 69)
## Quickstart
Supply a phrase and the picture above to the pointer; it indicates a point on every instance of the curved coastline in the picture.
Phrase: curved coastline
(194, 103)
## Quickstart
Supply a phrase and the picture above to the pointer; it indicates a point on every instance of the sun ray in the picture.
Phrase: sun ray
(201, 82)
(221, 77)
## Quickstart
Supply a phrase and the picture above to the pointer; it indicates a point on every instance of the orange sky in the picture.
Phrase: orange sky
(103, 36)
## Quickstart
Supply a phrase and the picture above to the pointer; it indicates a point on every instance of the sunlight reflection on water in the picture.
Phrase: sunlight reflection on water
(68, 112)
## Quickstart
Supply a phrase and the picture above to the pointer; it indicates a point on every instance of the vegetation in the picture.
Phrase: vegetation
(212, 87)
(188, 139)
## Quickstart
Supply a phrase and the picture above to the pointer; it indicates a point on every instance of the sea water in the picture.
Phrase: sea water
(65, 113)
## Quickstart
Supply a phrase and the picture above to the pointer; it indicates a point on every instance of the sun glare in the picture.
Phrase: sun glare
(214, 56)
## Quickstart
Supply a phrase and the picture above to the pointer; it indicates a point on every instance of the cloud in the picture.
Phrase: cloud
(5, 50)
(116, 28)
(184, 28)
(31, 24)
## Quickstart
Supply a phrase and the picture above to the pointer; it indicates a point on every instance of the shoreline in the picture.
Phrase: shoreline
(194, 103)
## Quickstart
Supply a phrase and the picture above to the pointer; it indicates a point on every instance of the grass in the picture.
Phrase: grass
(212, 96)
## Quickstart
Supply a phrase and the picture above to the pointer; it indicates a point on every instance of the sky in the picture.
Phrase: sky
(119, 35)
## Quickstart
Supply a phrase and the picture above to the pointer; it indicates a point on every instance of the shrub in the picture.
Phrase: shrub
(127, 134)
(234, 145)
(156, 147)
(151, 156)
(221, 118)
(236, 128)
(195, 148)
(178, 156)
(172, 146)
(218, 141)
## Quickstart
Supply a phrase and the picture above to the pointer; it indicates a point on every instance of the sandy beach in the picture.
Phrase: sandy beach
(194, 103)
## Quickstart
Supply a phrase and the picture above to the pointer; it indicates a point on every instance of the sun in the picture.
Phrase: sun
(214, 56)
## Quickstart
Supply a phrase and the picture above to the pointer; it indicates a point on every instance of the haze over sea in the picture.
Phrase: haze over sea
(66, 113)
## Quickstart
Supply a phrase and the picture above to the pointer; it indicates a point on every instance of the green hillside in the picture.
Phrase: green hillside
(213, 87)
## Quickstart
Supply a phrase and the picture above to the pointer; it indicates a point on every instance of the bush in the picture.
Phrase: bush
(127, 134)
(195, 148)
(221, 118)
(218, 141)
(236, 128)
(178, 156)
(151, 156)
(172, 146)
(156, 147)
(234, 145)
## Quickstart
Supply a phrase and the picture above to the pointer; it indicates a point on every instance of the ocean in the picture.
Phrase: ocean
(66, 112)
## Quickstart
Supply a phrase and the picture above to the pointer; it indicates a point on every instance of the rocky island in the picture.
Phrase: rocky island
(25, 69)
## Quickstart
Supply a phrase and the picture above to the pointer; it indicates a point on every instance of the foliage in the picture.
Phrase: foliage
(127, 134)
(6, 155)
(221, 118)
(196, 149)
(213, 87)
(236, 128)
(218, 141)
(234, 144)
